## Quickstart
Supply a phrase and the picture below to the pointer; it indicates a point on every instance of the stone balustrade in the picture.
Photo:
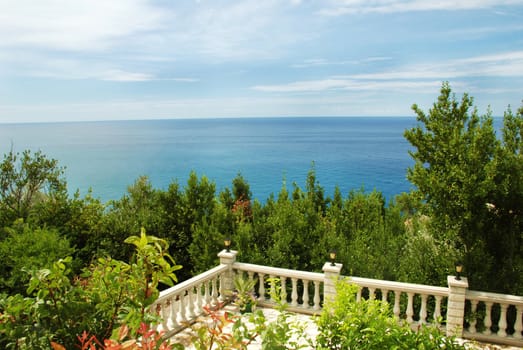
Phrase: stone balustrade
(305, 296)
(467, 314)
(180, 305)
(493, 317)
(421, 304)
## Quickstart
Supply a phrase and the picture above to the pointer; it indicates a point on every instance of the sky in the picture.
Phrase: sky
(82, 60)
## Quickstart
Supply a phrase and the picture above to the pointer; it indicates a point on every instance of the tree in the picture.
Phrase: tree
(24, 250)
(140, 207)
(25, 180)
(459, 170)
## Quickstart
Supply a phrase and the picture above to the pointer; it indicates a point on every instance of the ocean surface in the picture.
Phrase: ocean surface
(351, 153)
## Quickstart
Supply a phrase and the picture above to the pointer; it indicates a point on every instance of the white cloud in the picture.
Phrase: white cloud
(74, 25)
(507, 64)
(343, 7)
(315, 62)
(419, 77)
(340, 84)
(119, 75)
(249, 29)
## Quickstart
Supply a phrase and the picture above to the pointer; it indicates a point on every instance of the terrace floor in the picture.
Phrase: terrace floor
(185, 336)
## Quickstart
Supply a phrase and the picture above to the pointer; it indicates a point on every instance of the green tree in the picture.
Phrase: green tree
(25, 180)
(25, 250)
(464, 174)
(139, 207)
(184, 213)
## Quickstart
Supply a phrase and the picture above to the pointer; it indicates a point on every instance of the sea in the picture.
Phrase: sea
(353, 153)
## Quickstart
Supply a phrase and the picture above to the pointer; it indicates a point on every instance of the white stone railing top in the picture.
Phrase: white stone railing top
(276, 271)
(192, 282)
(400, 286)
(494, 297)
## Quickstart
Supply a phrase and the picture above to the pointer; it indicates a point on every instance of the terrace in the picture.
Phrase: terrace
(468, 314)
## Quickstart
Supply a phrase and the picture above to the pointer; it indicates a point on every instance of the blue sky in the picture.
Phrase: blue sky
(72, 60)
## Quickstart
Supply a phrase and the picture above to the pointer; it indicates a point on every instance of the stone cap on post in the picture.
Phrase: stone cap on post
(463, 282)
(227, 257)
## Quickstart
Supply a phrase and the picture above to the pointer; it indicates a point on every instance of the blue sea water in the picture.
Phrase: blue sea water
(351, 153)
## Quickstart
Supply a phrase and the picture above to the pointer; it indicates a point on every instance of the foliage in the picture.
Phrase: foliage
(244, 296)
(228, 331)
(284, 332)
(219, 333)
(146, 339)
(25, 180)
(369, 324)
(108, 294)
(471, 184)
(425, 259)
(25, 249)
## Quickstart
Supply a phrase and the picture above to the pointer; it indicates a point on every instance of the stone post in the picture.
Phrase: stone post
(331, 276)
(227, 279)
(456, 305)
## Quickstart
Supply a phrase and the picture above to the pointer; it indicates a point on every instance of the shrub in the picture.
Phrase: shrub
(108, 295)
(26, 249)
(370, 324)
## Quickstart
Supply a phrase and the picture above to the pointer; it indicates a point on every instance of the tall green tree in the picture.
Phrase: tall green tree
(457, 171)
(27, 179)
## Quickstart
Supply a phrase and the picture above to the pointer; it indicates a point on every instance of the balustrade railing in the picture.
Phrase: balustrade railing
(180, 305)
(494, 317)
(303, 290)
(468, 314)
(415, 303)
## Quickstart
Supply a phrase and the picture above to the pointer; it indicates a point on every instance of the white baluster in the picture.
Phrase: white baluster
(294, 294)
(181, 309)
(410, 308)
(163, 310)
(305, 296)
(487, 321)
(173, 322)
(384, 295)
(273, 285)
(437, 309)
(199, 297)
(518, 324)
(317, 295)
(423, 310)
(358, 294)
(283, 289)
(190, 304)
(207, 297)
(214, 291)
(261, 289)
(251, 278)
(502, 324)
(473, 319)
(396, 309)
(221, 290)
(371, 293)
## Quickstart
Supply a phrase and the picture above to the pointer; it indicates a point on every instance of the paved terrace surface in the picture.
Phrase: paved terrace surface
(185, 336)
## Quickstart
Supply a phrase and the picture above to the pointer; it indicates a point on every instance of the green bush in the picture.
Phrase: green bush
(109, 294)
(26, 249)
(370, 324)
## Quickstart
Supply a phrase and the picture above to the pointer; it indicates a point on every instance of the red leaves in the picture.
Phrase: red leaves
(149, 339)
